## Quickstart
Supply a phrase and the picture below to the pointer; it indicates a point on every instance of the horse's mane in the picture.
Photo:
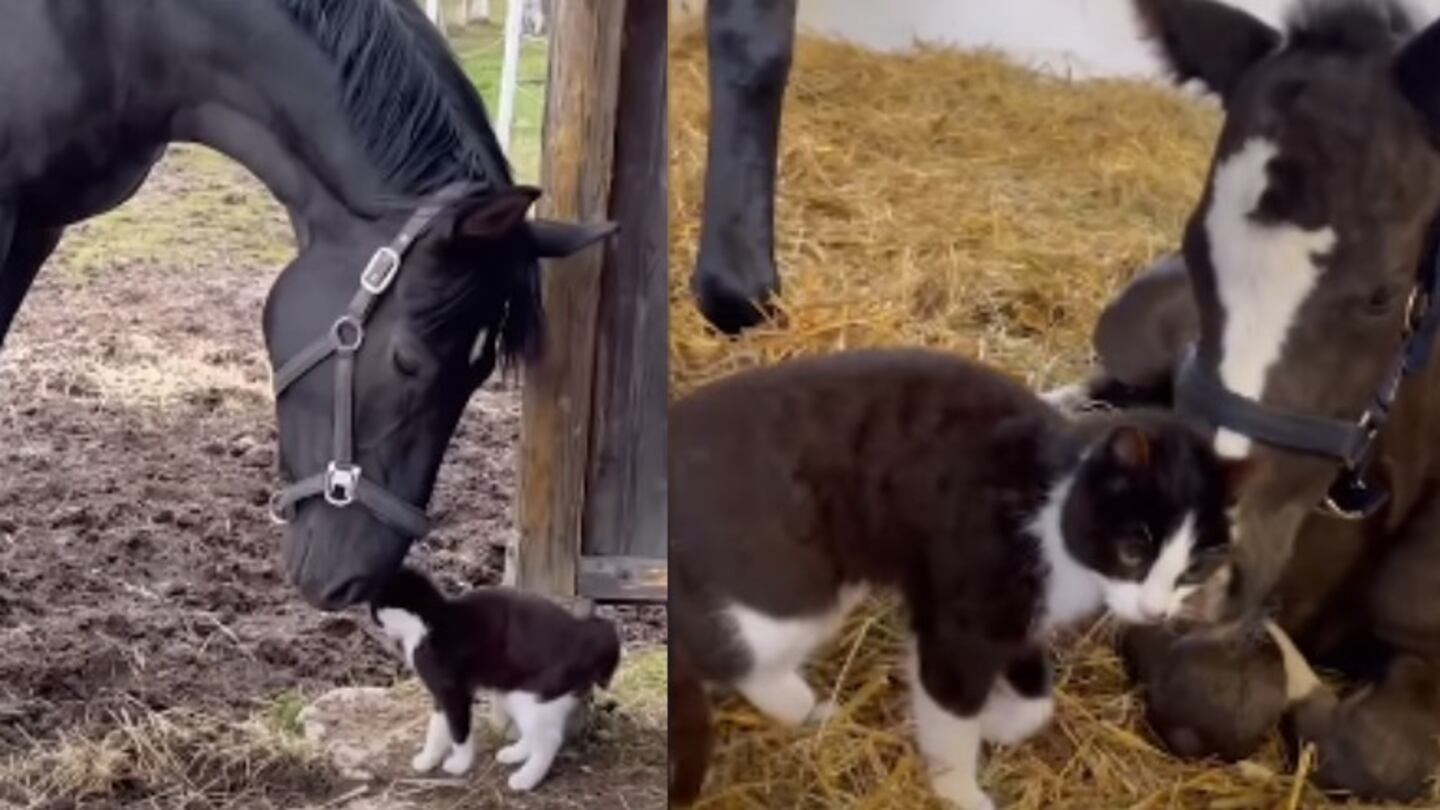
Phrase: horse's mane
(422, 123)
(1349, 26)
(418, 115)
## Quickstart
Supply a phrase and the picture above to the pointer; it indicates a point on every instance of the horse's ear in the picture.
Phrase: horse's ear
(496, 215)
(1206, 40)
(1416, 72)
(556, 240)
(1141, 334)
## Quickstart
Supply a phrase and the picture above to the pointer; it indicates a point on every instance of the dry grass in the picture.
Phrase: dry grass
(172, 759)
(953, 200)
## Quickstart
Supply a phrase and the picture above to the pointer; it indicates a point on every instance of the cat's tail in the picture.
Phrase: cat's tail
(689, 730)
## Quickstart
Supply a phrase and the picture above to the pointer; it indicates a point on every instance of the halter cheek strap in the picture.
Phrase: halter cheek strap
(342, 483)
(1200, 392)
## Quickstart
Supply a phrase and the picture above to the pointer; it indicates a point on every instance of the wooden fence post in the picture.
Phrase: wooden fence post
(579, 138)
(625, 504)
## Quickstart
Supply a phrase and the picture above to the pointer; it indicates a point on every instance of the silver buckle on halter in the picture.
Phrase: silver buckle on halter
(380, 271)
(342, 482)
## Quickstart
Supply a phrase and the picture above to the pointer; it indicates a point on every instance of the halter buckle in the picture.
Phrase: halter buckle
(1350, 498)
(381, 270)
(342, 483)
(347, 334)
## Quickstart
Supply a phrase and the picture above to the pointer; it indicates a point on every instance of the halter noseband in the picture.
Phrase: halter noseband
(342, 483)
(1200, 392)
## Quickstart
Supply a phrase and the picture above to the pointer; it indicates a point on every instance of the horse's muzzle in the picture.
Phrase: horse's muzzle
(335, 571)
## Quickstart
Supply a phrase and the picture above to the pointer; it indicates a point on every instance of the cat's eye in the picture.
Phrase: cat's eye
(1131, 554)
(1135, 547)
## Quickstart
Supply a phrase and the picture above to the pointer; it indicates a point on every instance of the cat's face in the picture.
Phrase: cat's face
(1147, 513)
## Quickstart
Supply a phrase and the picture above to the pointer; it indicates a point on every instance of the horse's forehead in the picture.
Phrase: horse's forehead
(1263, 272)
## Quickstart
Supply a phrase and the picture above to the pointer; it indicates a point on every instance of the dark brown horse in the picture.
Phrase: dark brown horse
(1298, 322)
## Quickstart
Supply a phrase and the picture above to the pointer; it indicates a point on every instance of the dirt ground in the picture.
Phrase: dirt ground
(140, 595)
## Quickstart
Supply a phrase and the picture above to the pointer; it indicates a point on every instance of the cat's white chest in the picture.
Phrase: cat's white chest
(1072, 591)
(405, 628)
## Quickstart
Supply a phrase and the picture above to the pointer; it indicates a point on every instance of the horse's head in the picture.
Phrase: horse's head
(1303, 251)
(376, 355)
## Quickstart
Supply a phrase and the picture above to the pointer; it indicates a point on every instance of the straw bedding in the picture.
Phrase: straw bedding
(952, 200)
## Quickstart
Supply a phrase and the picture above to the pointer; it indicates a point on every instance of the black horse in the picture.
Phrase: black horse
(1300, 322)
(417, 268)
(751, 44)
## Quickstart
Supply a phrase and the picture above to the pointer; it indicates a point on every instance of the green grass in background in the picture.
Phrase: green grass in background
(481, 49)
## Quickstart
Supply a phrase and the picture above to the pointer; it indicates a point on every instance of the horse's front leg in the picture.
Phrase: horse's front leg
(1381, 743)
(23, 249)
(1218, 692)
(751, 43)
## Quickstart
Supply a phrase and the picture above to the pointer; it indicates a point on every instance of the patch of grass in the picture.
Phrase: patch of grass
(640, 684)
(481, 49)
(198, 205)
(283, 714)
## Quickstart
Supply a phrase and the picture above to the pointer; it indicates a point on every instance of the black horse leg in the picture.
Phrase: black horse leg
(751, 43)
(28, 249)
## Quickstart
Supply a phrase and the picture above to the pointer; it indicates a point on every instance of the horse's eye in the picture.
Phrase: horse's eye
(405, 363)
(1381, 301)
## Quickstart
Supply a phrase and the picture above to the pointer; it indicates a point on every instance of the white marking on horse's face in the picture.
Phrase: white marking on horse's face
(1263, 274)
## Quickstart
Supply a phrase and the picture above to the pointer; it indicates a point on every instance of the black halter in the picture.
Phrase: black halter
(1351, 496)
(341, 483)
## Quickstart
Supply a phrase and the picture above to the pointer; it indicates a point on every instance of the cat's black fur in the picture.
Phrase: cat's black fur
(918, 470)
(499, 640)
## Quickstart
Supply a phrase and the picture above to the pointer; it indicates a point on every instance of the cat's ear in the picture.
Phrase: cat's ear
(1238, 472)
(1129, 446)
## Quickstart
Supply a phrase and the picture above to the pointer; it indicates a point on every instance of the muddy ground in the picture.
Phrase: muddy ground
(138, 571)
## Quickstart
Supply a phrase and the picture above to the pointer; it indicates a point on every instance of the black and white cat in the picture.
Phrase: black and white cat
(537, 660)
(794, 488)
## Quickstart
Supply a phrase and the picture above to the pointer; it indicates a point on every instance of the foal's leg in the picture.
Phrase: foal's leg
(751, 43)
(949, 683)
(23, 249)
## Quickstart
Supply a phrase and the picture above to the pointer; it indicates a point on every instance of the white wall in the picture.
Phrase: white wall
(1084, 37)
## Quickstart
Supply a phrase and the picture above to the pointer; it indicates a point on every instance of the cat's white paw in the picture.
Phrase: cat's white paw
(425, 761)
(523, 782)
(783, 697)
(961, 792)
(512, 754)
(460, 759)
(1008, 719)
